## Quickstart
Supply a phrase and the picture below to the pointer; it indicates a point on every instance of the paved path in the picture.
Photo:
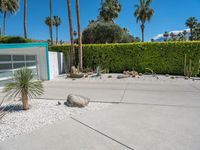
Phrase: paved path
(148, 114)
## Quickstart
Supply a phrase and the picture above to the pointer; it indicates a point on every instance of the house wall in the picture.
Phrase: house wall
(38, 49)
(56, 64)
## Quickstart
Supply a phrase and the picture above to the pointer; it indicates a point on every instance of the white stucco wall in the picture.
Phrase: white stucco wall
(40, 53)
(56, 64)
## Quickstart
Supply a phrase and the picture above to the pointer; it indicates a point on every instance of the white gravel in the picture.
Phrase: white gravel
(42, 113)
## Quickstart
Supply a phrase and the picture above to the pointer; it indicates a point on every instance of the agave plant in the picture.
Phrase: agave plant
(24, 85)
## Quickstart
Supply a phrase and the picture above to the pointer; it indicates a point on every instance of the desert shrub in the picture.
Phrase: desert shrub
(13, 39)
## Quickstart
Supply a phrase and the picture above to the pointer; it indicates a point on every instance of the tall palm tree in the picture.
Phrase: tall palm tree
(109, 10)
(24, 85)
(25, 19)
(79, 35)
(49, 22)
(57, 22)
(8, 7)
(51, 25)
(72, 51)
(191, 23)
(143, 13)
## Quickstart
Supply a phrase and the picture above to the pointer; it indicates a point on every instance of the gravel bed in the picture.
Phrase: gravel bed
(42, 113)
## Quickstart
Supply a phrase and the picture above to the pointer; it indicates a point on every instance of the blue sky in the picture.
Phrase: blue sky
(169, 15)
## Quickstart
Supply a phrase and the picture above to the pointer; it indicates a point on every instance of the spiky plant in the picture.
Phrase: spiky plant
(24, 85)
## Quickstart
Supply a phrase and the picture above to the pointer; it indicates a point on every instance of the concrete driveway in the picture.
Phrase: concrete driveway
(145, 114)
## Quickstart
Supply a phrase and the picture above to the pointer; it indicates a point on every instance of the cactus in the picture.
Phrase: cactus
(188, 68)
(185, 65)
(98, 71)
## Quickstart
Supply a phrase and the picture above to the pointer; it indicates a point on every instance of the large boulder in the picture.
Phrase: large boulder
(75, 73)
(76, 101)
(74, 70)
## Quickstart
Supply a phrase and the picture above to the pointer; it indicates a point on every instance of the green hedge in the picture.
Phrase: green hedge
(163, 58)
(13, 39)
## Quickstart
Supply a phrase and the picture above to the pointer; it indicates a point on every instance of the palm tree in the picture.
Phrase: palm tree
(8, 7)
(72, 51)
(79, 35)
(143, 13)
(49, 22)
(172, 35)
(191, 23)
(109, 10)
(51, 25)
(24, 85)
(166, 35)
(196, 32)
(57, 22)
(25, 19)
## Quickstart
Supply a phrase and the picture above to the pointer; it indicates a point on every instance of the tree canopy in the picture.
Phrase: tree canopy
(101, 32)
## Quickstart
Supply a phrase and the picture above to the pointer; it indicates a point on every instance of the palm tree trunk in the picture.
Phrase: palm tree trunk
(79, 35)
(4, 23)
(25, 19)
(142, 29)
(72, 52)
(191, 35)
(25, 101)
(51, 32)
(56, 34)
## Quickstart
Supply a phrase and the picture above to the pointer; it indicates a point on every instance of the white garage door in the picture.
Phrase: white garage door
(10, 63)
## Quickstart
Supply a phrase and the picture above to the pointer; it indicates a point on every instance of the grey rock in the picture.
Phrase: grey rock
(76, 101)
(122, 76)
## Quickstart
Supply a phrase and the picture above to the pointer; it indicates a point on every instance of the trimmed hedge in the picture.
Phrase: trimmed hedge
(163, 58)
(13, 39)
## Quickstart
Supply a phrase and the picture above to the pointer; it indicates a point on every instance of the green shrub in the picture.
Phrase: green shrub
(101, 32)
(162, 58)
(13, 39)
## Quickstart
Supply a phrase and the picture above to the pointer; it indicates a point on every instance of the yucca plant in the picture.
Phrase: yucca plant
(24, 85)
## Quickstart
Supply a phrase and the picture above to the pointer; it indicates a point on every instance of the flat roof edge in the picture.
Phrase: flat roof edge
(22, 45)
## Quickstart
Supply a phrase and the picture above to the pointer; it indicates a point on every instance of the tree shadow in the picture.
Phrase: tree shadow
(11, 108)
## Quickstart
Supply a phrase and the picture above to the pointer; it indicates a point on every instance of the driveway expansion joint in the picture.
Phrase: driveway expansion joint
(103, 134)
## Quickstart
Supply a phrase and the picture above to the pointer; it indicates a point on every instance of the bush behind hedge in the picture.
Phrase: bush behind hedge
(163, 58)
(13, 39)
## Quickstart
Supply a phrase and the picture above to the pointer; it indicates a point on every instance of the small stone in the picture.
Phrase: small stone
(59, 103)
(140, 74)
(133, 76)
(186, 77)
(172, 77)
(76, 75)
(110, 76)
(166, 75)
(122, 76)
